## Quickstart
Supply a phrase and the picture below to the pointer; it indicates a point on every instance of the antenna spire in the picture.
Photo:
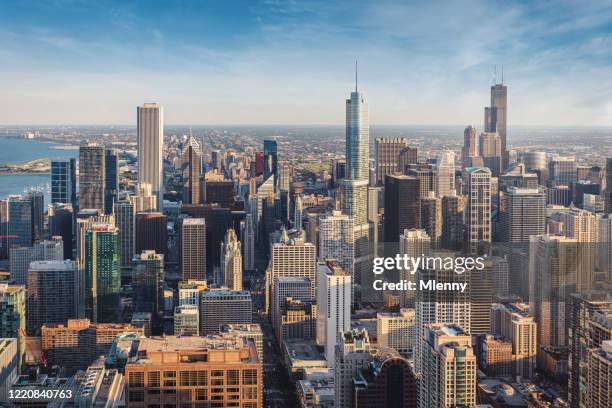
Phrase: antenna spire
(502, 82)
(355, 75)
(494, 74)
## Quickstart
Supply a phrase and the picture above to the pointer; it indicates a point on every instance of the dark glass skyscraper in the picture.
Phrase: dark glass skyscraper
(20, 221)
(63, 181)
(270, 158)
(91, 177)
(111, 180)
(402, 205)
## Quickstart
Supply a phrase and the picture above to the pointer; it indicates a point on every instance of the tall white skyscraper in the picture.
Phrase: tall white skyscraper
(336, 240)
(334, 306)
(357, 137)
(445, 173)
(231, 261)
(150, 133)
(478, 208)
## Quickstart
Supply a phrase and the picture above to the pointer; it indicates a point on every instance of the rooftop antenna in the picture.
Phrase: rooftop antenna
(355, 75)
(494, 74)
(502, 82)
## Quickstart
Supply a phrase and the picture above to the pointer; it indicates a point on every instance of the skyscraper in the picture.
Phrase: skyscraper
(102, 276)
(397, 331)
(453, 212)
(478, 206)
(387, 156)
(151, 234)
(336, 240)
(148, 284)
(270, 158)
(63, 181)
(608, 193)
(449, 368)
(150, 136)
(247, 233)
(191, 165)
(126, 223)
(490, 146)
(61, 224)
(13, 315)
(402, 205)
(193, 249)
(111, 180)
(221, 307)
(231, 261)
(20, 223)
(51, 294)
(92, 172)
(470, 146)
(431, 217)
(51, 250)
(523, 214)
(496, 116)
(353, 353)
(445, 173)
(334, 291)
(562, 170)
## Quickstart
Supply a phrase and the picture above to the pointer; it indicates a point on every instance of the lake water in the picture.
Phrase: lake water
(15, 150)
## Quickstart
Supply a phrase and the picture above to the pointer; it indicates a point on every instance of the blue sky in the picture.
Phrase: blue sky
(292, 62)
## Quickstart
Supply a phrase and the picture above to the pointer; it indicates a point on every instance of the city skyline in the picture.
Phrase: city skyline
(77, 63)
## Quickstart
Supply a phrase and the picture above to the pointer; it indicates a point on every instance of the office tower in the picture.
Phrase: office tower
(111, 180)
(402, 205)
(13, 315)
(102, 276)
(189, 292)
(4, 229)
(51, 294)
(496, 359)
(150, 137)
(500, 276)
(387, 153)
(559, 195)
(388, 381)
(453, 213)
(78, 343)
(478, 206)
(247, 233)
(20, 222)
(490, 146)
(336, 240)
(581, 225)
(599, 382)
(517, 176)
(445, 173)
(294, 313)
(263, 190)
(148, 284)
(63, 181)
(562, 170)
(92, 172)
(581, 188)
(61, 220)
(470, 147)
(191, 166)
(522, 214)
(231, 261)
(449, 368)
(284, 177)
(219, 307)
(9, 362)
(297, 212)
(270, 158)
(259, 163)
(552, 278)
(431, 217)
(582, 336)
(151, 232)
(496, 116)
(353, 353)
(334, 291)
(20, 258)
(427, 178)
(480, 297)
(230, 364)
(126, 223)
(608, 192)
(38, 214)
(220, 192)
(291, 258)
(593, 203)
(144, 201)
(186, 320)
(513, 321)
(397, 331)
(338, 170)
(408, 155)
(193, 249)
